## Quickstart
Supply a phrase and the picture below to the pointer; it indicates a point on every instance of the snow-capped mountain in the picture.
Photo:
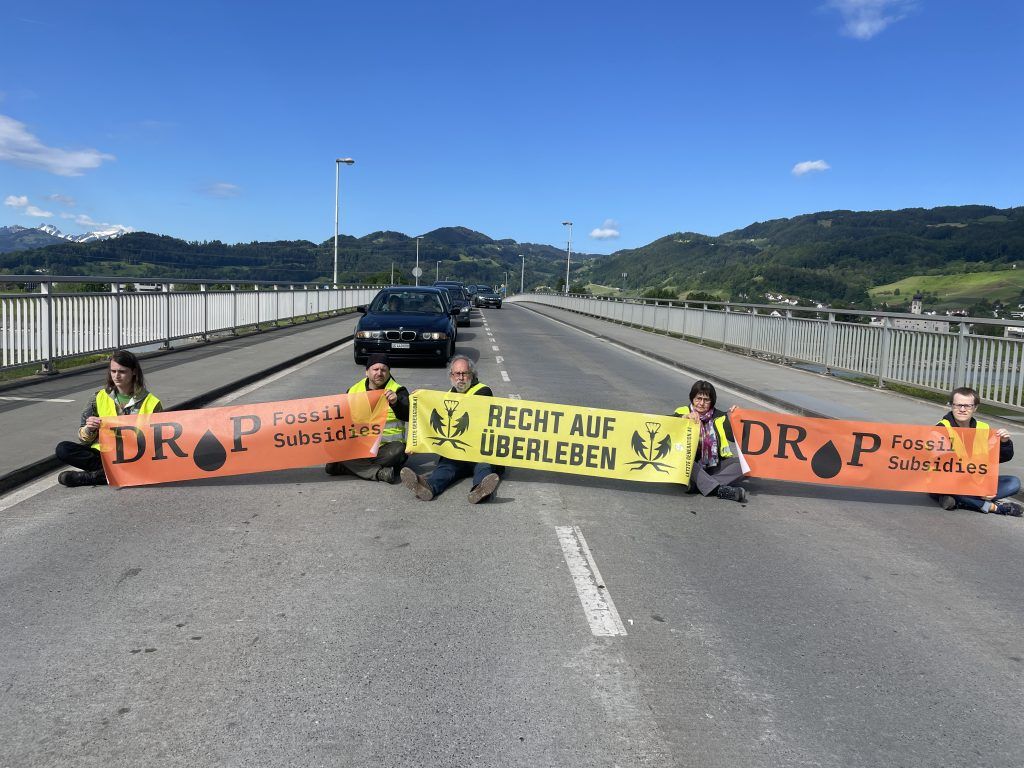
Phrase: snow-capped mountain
(101, 234)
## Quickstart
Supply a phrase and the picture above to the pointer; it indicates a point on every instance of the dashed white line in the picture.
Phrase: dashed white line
(499, 359)
(495, 349)
(504, 376)
(594, 596)
(12, 398)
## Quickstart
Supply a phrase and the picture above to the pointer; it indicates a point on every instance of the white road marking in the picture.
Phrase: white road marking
(495, 349)
(499, 359)
(594, 596)
(274, 377)
(35, 399)
(720, 387)
(504, 376)
(514, 397)
(27, 491)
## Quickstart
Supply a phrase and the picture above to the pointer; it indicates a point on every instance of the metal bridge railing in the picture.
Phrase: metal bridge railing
(48, 326)
(939, 355)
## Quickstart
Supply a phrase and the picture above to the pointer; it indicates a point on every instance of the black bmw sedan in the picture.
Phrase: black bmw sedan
(406, 322)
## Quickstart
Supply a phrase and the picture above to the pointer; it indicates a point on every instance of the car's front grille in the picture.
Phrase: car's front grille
(400, 335)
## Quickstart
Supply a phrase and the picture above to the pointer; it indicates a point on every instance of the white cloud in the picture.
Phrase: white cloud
(16, 201)
(20, 147)
(810, 166)
(37, 212)
(222, 189)
(863, 19)
(63, 199)
(27, 209)
(607, 231)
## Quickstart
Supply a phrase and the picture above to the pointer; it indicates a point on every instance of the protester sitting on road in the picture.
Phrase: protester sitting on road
(715, 469)
(486, 478)
(964, 404)
(391, 453)
(124, 394)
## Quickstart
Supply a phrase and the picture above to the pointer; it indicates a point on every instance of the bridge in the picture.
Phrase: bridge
(293, 618)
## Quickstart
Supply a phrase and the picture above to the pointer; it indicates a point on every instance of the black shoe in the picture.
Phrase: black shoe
(386, 475)
(486, 487)
(1008, 507)
(335, 468)
(73, 479)
(417, 484)
(732, 493)
(947, 502)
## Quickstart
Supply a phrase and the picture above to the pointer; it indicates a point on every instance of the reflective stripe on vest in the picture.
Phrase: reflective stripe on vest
(723, 442)
(106, 408)
(393, 428)
(475, 388)
(962, 451)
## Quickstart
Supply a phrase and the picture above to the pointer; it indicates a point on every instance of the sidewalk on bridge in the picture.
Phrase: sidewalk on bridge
(40, 412)
(786, 387)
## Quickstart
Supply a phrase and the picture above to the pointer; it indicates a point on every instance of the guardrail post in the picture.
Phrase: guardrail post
(46, 289)
(256, 290)
(206, 311)
(166, 290)
(830, 343)
(884, 351)
(787, 337)
(234, 308)
(115, 316)
(960, 377)
(277, 306)
(725, 329)
(750, 334)
(703, 314)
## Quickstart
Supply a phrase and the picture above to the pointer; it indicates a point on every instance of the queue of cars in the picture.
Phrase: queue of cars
(415, 322)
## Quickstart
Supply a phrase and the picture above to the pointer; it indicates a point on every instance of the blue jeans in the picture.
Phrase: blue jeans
(1008, 486)
(448, 471)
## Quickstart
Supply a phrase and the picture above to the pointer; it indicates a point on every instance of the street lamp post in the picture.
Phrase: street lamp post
(337, 181)
(568, 255)
(522, 275)
(416, 271)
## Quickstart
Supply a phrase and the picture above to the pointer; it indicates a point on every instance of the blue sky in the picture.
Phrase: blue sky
(222, 120)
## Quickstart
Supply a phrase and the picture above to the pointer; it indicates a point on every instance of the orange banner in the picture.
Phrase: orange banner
(234, 440)
(897, 457)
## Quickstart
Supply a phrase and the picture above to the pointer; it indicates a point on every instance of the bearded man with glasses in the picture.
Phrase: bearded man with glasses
(964, 403)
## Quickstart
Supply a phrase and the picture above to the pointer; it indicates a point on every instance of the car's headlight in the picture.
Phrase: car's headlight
(369, 334)
(434, 335)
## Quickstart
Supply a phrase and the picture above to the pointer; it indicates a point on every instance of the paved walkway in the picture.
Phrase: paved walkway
(789, 388)
(40, 412)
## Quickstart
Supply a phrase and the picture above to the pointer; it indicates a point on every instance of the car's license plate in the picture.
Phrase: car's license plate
(399, 345)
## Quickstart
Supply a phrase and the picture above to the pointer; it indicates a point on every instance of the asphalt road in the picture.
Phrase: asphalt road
(293, 618)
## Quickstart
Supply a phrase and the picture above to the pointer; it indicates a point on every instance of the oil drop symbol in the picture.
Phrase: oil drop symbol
(826, 461)
(209, 454)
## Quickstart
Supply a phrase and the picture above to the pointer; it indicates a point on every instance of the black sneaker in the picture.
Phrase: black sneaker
(732, 493)
(335, 468)
(1008, 507)
(947, 502)
(486, 487)
(74, 479)
(386, 475)
(417, 484)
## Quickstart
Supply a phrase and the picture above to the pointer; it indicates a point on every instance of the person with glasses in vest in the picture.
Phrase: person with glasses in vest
(124, 394)
(486, 477)
(715, 468)
(964, 404)
(391, 454)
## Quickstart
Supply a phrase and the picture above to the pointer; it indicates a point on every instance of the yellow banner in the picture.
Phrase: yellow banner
(553, 438)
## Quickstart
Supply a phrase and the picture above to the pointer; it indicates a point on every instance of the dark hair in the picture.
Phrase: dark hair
(128, 360)
(701, 387)
(965, 392)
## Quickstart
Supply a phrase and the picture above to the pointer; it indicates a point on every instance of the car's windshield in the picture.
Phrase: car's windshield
(408, 301)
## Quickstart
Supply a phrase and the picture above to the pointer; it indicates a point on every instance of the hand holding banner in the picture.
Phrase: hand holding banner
(551, 437)
(213, 442)
(898, 457)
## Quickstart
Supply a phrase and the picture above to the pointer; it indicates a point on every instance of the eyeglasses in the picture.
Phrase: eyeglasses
(964, 406)
(461, 373)
(702, 399)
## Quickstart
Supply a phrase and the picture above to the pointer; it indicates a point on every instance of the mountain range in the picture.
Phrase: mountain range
(829, 256)
(16, 238)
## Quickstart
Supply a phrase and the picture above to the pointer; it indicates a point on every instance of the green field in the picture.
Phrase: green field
(1004, 285)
